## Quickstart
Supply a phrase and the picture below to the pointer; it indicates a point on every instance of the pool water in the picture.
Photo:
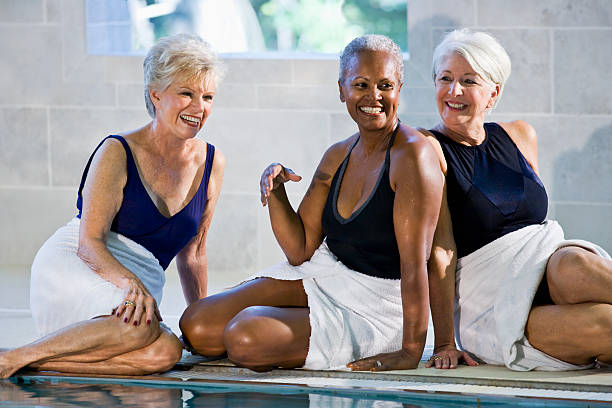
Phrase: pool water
(36, 391)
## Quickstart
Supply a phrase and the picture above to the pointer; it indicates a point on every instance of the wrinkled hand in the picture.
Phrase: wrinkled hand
(449, 357)
(397, 360)
(273, 176)
(137, 302)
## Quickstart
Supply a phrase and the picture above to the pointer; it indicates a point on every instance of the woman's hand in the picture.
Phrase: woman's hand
(397, 360)
(273, 176)
(137, 302)
(449, 357)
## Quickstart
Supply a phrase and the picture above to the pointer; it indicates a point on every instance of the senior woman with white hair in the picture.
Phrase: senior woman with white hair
(525, 296)
(146, 196)
(355, 284)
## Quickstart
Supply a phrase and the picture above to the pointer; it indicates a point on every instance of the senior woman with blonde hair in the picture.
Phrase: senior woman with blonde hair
(146, 196)
(525, 296)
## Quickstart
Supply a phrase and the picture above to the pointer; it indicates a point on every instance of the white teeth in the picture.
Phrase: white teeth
(370, 109)
(456, 105)
(189, 118)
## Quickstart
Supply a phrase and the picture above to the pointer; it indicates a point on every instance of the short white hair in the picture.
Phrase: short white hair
(181, 55)
(371, 42)
(484, 53)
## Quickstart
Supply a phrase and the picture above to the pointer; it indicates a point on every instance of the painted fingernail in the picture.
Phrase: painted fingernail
(135, 323)
(148, 321)
(125, 320)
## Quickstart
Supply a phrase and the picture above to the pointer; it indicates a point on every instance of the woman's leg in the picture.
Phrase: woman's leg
(204, 322)
(577, 334)
(576, 275)
(92, 343)
(264, 337)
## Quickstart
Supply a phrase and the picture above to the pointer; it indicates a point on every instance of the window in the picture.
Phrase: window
(124, 27)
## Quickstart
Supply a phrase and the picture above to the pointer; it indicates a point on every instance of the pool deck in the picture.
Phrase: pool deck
(586, 385)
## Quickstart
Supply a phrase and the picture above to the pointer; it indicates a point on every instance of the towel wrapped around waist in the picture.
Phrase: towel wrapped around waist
(495, 287)
(352, 315)
(65, 290)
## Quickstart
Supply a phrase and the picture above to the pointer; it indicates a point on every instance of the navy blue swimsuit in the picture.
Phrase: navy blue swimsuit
(491, 189)
(365, 242)
(140, 220)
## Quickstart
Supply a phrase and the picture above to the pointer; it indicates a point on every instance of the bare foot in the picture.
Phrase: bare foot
(7, 366)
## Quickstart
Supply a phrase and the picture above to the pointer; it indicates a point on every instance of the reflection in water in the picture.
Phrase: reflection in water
(56, 392)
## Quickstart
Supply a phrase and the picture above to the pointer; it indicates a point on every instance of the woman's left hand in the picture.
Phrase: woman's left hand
(449, 358)
(397, 360)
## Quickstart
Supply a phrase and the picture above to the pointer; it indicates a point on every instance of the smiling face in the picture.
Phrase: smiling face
(371, 90)
(184, 106)
(462, 95)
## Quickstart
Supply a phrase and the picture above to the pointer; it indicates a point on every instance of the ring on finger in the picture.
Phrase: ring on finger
(436, 358)
(129, 303)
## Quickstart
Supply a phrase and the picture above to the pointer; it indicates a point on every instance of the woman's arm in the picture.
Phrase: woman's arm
(299, 233)
(102, 197)
(417, 180)
(191, 261)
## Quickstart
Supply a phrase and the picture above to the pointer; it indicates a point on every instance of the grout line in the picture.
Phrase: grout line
(552, 70)
(44, 11)
(49, 155)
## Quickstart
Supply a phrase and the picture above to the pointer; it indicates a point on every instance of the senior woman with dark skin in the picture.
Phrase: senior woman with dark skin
(526, 297)
(146, 196)
(354, 290)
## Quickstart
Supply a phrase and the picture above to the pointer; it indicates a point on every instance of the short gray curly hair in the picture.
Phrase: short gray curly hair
(371, 42)
(184, 55)
(484, 53)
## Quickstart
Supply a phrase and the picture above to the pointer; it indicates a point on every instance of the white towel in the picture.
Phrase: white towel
(495, 287)
(64, 290)
(352, 315)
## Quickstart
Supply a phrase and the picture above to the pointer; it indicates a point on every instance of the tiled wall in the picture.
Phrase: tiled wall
(57, 102)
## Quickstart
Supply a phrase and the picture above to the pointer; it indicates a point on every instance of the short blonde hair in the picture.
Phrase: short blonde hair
(181, 55)
(484, 53)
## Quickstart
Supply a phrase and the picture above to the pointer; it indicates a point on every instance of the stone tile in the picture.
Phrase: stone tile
(300, 97)
(258, 71)
(22, 330)
(91, 93)
(545, 13)
(76, 132)
(341, 126)
(463, 13)
(269, 252)
(130, 95)
(15, 289)
(417, 100)
(109, 39)
(124, 69)
(23, 11)
(23, 147)
(77, 64)
(586, 221)
(34, 76)
(529, 87)
(582, 170)
(258, 138)
(29, 217)
(53, 11)
(582, 54)
(232, 96)
(232, 240)
(415, 120)
(315, 71)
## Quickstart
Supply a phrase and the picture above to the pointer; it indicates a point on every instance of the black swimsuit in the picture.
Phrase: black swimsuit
(365, 242)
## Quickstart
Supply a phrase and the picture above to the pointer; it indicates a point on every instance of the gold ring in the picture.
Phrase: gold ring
(438, 358)
(129, 303)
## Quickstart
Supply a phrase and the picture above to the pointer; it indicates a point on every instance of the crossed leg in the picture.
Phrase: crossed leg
(104, 345)
(260, 324)
(578, 327)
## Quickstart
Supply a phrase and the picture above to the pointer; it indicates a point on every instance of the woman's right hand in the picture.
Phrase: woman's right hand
(273, 176)
(137, 302)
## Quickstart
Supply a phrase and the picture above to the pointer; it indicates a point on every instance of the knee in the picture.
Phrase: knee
(602, 324)
(200, 332)
(564, 269)
(243, 340)
(139, 337)
(163, 354)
